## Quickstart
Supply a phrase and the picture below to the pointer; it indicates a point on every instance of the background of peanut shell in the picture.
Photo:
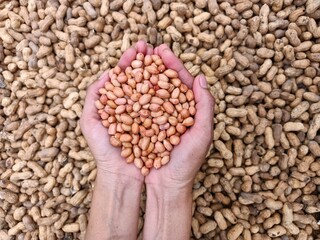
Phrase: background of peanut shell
(261, 58)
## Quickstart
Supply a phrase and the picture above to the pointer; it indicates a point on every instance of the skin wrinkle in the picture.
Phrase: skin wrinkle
(160, 218)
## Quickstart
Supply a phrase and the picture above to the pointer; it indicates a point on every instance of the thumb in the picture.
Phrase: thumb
(203, 123)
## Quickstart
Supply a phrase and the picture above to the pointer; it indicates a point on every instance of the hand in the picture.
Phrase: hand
(187, 157)
(108, 157)
(115, 204)
(169, 189)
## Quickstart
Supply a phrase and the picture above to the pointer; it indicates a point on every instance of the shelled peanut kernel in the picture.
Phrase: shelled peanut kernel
(146, 109)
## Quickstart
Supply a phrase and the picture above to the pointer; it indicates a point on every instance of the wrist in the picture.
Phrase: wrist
(170, 191)
(115, 207)
(167, 199)
(168, 212)
(110, 178)
(169, 184)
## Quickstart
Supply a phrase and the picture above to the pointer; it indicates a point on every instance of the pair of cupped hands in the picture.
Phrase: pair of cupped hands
(185, 159)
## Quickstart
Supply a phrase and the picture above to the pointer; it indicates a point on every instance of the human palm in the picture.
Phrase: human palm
(107, 156)
(187, 157)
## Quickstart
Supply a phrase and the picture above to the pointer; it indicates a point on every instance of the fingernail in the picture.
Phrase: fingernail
(203, 81)
(166, 49)
(103, 75)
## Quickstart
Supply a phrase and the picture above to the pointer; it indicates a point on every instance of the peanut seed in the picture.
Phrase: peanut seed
(162, 93)
(146, 108)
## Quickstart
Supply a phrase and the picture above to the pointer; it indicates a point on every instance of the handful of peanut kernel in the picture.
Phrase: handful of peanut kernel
(146, 109)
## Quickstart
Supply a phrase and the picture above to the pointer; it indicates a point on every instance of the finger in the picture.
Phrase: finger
(149, 49)
(89, 109)
(203, 122)
(127, 57)
(141, 47)
(172, 62)
(156, 50)
(130, 54)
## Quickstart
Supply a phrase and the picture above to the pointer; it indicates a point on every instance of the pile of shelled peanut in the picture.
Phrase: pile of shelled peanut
(146, 109)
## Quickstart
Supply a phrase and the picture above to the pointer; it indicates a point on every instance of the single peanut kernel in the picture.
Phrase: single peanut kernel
(174, 140)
